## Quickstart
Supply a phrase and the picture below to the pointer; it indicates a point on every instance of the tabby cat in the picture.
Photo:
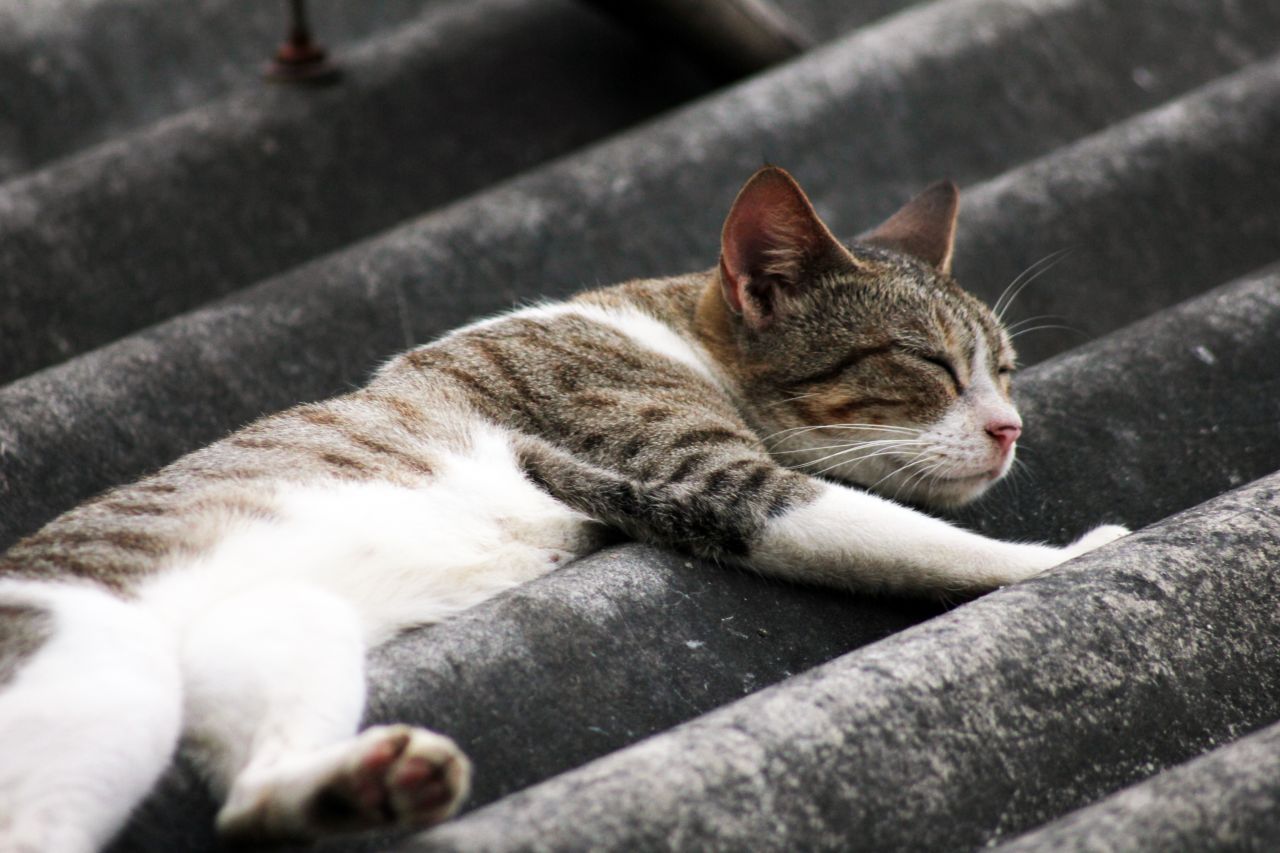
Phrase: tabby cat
(229, 599)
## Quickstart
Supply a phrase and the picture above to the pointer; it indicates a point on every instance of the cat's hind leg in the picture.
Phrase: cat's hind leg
(90, 704)
(275, 690)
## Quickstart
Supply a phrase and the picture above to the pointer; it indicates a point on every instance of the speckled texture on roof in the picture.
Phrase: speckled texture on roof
(183, 248)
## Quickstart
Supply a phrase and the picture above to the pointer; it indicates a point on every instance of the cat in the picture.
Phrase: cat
(779, 412)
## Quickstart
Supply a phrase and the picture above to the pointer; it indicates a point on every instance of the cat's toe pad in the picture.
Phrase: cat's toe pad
(429, 780)
(385, 776)
(396, 775)
(406, 776)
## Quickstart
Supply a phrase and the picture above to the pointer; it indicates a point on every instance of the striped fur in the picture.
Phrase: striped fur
(26, 627)
(244, 582)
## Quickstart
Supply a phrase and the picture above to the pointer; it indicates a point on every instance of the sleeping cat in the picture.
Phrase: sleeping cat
(229, 599)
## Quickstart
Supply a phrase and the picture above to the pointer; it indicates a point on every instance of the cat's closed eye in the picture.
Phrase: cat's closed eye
(945, 364)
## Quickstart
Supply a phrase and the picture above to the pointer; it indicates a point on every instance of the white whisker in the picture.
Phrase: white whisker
(918, 477)
(879, 449)
(893, 442)
(809, 428)
(1012, 327)
(885, 452)
(791, 399)
(918, 461)
(1024, 279)
(1009, 294)
(1022, 332)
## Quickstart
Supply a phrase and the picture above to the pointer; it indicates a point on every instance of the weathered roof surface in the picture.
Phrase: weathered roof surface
(199, 248)
(1226, 800)
(670, 637)
(980, 723)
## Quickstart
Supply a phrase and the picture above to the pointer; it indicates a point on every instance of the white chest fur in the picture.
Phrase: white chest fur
(400, 556)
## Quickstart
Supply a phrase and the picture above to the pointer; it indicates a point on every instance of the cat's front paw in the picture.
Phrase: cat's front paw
(1095, 538)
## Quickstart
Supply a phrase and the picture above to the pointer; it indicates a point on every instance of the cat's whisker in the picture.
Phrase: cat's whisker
(892, 474)
(832, 467)
(883, 452)
(1025, 278)
(881, 442)
(918, 477)
(794, 431)
(1019, 473)
(851, 446)
(848, 452)
(1030, 280)
(889, 452)
(785, 400)
(845, 452)
(1022, 468)
(1013, 327)
(874, 428)
(879, 426)
(999, 307)
(856, 442)
(893, 447)
(1010, 292)
(918, 461)
(926, 474)
(822, 471)
(809, 427)
(1022, 332)
(1013, 480)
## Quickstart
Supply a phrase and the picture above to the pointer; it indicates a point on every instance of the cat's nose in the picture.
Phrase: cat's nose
(1004, 433)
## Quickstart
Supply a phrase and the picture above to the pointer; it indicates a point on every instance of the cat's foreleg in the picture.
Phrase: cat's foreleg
(846, 537)
(745, 509)
(275, 682)
(89, 714)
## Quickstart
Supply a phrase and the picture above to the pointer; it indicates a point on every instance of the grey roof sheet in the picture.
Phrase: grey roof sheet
(184, 248)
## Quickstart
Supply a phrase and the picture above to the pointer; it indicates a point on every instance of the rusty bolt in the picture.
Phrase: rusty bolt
(299, 59)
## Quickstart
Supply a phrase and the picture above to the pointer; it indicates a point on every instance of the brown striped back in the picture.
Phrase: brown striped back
(793, 346)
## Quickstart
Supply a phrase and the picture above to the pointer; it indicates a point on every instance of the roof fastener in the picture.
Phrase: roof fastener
(299, 59)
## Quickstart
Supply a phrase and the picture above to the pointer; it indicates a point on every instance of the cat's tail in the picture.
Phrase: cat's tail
(90, 709)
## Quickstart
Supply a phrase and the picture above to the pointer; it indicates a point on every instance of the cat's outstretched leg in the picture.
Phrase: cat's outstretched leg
(275, 689)
(852, 537)
(89, 714)
(787, 524)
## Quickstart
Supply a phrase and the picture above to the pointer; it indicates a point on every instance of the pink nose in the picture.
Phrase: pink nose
(1004, 434)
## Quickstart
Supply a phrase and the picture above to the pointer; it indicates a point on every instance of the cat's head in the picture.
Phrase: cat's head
(866, 363)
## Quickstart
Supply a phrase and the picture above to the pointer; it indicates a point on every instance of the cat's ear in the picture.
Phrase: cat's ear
(772, 242)
(924, 228)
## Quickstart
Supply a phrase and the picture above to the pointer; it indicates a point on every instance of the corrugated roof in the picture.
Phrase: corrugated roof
(199, 247)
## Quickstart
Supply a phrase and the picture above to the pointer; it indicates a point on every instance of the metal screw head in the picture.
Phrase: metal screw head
(300, 59)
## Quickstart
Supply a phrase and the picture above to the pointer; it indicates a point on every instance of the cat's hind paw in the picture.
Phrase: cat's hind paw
(395, 775)
(387, 776)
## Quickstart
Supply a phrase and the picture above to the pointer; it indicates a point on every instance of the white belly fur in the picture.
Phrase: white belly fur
(401, 556)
